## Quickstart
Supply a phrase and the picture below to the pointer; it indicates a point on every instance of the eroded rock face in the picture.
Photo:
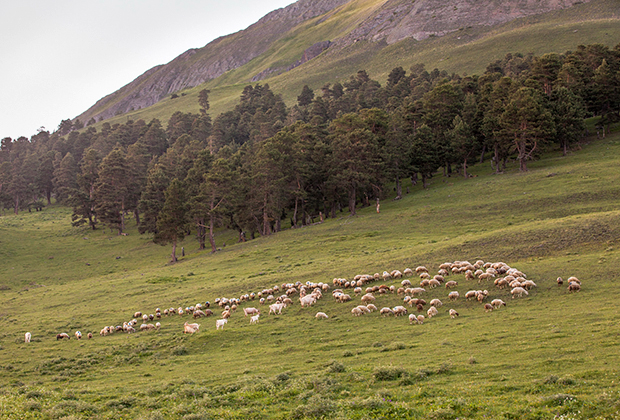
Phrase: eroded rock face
(420, 19)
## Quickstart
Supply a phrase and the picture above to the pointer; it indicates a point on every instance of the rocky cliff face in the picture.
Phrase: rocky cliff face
(392, 21)
(196, 66)
(420, 19)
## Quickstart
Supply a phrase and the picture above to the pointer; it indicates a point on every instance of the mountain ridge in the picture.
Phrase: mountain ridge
(386, 21)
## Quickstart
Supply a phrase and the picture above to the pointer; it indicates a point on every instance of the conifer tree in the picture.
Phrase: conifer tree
(112, 190)
(172, 220)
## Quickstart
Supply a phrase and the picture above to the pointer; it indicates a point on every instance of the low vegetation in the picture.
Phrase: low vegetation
(552, 354)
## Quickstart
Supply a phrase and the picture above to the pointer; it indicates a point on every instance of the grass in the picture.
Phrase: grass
(552, 354)
(468, 50)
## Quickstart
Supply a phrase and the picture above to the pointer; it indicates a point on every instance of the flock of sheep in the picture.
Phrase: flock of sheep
(310, 293)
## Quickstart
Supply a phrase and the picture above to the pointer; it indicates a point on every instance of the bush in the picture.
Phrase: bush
(335, 367)
(389, 373)
(317, 407)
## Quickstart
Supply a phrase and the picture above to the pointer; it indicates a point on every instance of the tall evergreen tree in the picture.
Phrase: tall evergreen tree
(172, 220)
(112, 190)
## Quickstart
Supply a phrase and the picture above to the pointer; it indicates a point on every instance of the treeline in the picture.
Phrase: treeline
(264, 164)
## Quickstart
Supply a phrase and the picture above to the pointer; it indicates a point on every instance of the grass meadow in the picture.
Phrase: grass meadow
(552, 354)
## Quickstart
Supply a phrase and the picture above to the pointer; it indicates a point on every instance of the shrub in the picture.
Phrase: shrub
(335, 367)
(389, 373)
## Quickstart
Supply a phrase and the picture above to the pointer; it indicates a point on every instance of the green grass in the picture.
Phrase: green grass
(550, 354)
(468, 51)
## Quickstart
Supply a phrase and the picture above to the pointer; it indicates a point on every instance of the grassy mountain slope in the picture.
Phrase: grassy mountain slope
(469, 50)
(550, 354)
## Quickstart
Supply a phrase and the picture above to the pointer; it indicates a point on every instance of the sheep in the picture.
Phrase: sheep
(357, 311)
(425, 276)
(371, 307)
(560, 281)
(368, 298)
(417, 291)
(399, 310)
(408, 272)
(488, 307)
(386, 275)
(421, 269)
(276, 307)
(321, 315)
(220, 323)
(396, 274)
(450, 284)
(436, 303)
(453, 313)
(574, 287)
(90, 335)
(137, 314)
(420, 319)
(518, 291)
(305, 301)
(250, 311)
(573, 279)
(62, 336)
(528, 284)
(27, 337)
(386, 311)
(497, 303)
(414, 319)
(254, 319)
(157, 325)
(144, 327)
(453, 295)
(439, 278)
(471, 294)
(364, 309)
(432, 311)
(189, 328)
(78, 335)
(198, 314)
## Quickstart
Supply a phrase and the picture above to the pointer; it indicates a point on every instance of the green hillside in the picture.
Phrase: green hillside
(552, 354)
(466, 51)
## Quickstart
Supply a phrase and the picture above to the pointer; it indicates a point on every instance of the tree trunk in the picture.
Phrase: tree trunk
(266, 225)
(211, 235)
(465, 168)
(16, 205)
(352, 200)
(484, 149)
(295, 213)
(399, 188)
(136, 214)
(414, 179)
(424, 184)
(496, 158)
(174, 251)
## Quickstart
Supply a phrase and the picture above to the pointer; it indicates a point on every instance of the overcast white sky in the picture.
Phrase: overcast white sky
(58, 57)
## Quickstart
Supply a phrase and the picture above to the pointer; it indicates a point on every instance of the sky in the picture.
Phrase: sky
(59, 57)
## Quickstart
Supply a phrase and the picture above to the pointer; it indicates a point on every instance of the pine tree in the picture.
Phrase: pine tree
(112, 190)
(172, 220)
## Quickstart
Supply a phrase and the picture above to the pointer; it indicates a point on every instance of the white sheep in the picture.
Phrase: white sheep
(220, 323)
(453, 295)
(190, 328)
(399, 310)
(250, 311)
(371, 307)
(386, 311)
(432, 311)
(436, 303)
(453, 313)
(368, 298)
(488, 307)
(421, 269)
(497, 303)
(27, 337)
(321, 315)
(254, 319)
(408, 272)
(78, 335)
(357, 311)
(414, 319)
(518, 291)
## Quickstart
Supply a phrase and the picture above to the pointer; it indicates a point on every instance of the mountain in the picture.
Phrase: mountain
(354, 31)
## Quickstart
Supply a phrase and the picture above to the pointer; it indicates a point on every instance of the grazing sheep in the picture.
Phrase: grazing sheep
(415, 319)
(220, 323)
(420, 319)
(368, 298)
(321, 315)
(62, 336)
(432, 283)
(399, 310)
(408, 272)
(453, 295)
(425, 276)
(364, 309)
(90, 335)
(417, 291)
(78, 335)
(453, 313)
(226, 314)
(144, 327)
(573, 279)
(198, 314)
(137, 315)
(497, 303)
(560, 281)
(190, 328)
(432, 311)
(518, 292)
(436, 303)
(528, 284)
(27, 337)
(574, 287)
(405, 283)
(471, 294)
(386, 311)
(450, 284)
(488, 307)
(157, 325)
(371, 307)
(357, 311)
(421, 269)
(250, 311)
(254, 319)
(276, 307)
(396, 274)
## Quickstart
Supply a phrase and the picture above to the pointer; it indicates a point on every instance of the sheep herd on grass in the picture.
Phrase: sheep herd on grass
(502, 276)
